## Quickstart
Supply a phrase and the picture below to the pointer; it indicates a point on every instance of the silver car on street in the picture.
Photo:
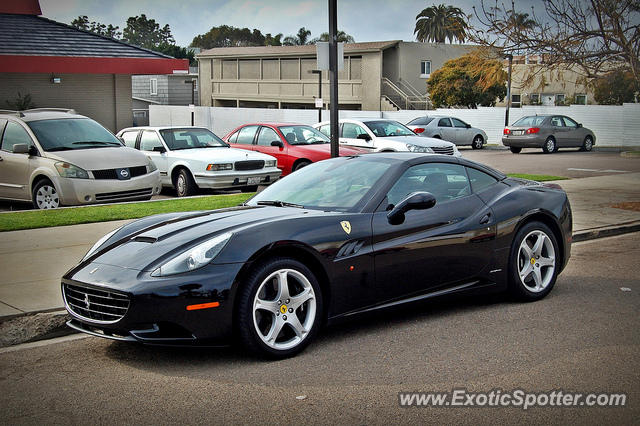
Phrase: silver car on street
(450, 129)
(549, 132)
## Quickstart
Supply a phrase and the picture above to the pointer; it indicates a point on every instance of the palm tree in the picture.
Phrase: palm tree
(441, 23)
(341, 37)
(299, 39)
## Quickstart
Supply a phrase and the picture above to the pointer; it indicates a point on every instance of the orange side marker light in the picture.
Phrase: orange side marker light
(203, 306)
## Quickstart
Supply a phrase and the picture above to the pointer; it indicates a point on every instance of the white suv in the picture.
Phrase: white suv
(193, 157)
(55, 157)
(383, 135)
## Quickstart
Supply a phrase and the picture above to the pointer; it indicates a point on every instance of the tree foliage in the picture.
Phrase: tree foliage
(341, 37)
(21, 102)
(146, 33)
(441, 23)
(615, 88)
(594, 37)
(82, 22)
(468, 81)
(300, 39)
(228, 36)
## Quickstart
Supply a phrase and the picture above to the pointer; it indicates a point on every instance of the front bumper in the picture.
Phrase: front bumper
(235, 179)
(157, 307)
(92, 191)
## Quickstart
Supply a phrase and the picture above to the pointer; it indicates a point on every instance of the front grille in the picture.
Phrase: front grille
(109, 196)
(448, 150)
(113, 174)
(95, 305)
(249, 165)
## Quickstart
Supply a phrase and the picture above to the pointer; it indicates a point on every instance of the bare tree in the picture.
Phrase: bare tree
(594, 37)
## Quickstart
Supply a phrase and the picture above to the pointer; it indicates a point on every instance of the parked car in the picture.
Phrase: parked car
(549, 132)
(294, 145)
(55, 157)
(340, 237)
(451, 129)
(194, 157)
(381, 135)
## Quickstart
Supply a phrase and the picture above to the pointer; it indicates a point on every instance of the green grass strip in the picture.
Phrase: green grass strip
(537, 178)
(30, 219)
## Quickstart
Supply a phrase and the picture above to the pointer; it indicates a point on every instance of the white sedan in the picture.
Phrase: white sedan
(189, 158)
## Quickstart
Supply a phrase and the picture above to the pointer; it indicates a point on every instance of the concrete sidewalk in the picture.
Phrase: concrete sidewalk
(33, 261)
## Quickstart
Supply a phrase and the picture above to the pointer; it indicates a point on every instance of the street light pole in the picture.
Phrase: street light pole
(506, 114)
(333, 76)
(319, 72)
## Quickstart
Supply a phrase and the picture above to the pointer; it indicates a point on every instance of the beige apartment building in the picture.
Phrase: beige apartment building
(385, 75)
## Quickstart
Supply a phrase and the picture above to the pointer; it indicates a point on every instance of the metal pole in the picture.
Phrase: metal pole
(506, 114)
(320, 94)
(333, 76)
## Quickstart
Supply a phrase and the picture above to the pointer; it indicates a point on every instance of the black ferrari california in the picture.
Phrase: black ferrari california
(337, 238)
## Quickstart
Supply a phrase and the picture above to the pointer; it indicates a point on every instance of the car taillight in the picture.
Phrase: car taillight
(506, 131)
(532, 130)
(418, 130)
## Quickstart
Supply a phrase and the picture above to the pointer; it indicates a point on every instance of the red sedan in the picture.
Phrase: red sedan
(294, 145)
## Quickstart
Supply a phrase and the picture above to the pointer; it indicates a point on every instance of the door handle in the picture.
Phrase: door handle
(485, 219)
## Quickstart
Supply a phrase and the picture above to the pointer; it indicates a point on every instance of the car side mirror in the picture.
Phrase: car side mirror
(468, 126)
(414, 201)
(279, 144)
(364, 136)
(159, 149)
(20, 148)
(579, 124)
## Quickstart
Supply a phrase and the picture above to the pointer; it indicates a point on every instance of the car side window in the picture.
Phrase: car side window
(445, 181)
(569, 122)
(326, 129)
(557, 122)
(149, 140)
(480, 180)
(444, 122)
(14, 134)
(246, 135)
(233, 138)
(130, 138)
(458, 123)
(351, 131)
(266, 136)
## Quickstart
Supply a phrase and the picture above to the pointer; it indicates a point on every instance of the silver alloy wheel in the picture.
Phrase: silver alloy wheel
(180, 184)
(284, 309)
(477, 142)
(47, 197)
(536, 261)
(588, 143)
(550, 145)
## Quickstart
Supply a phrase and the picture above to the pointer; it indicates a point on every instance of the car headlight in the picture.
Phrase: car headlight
(218, 167)
(416, 148)
(194, 258)
(152, 165)
(101, 241)
(68, 170)
(270, 163)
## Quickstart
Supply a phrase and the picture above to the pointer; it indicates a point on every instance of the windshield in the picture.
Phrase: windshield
(72, 133)
(384, 128)
(303, 135)
(534, 120)
(191, 138)
(337, 184)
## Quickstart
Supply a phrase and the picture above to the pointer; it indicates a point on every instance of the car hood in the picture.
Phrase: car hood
(228, 154)
(101, 158)
(146, 244)
(419, 140)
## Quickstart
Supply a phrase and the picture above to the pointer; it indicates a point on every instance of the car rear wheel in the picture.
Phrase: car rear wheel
(515, 149)
(477, 143)
(549, 145)
(533, 263)
(45, 196)
(185, 185)
(587, 145)
(279, 308)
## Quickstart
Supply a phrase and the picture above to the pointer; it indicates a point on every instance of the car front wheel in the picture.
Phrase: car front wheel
(279, 308)
(587, 145)
(185, 185)
(477, 142)
(533, 263)
(45, 196)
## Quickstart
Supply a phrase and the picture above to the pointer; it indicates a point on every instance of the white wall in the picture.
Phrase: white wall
(612, 125)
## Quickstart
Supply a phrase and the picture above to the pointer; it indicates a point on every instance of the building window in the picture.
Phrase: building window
(560, 98)
(581, 99)
(425, 69)
(534, 98)
(515, 101)
(153, 86)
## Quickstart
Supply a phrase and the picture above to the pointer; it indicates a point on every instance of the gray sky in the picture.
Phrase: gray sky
(365, 20)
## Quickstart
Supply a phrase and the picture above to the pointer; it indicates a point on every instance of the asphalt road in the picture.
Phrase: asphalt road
(584, 337)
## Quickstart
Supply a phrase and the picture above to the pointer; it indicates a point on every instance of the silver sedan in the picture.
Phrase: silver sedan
(451, 129)
(548, 132)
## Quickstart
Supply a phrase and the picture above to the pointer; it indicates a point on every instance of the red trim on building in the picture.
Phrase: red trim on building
(90, 65)
(20, 7)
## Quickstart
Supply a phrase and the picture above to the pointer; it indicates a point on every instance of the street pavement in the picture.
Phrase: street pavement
(33, 261)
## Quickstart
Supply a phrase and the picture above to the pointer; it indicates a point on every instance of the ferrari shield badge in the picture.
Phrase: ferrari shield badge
(346, 226)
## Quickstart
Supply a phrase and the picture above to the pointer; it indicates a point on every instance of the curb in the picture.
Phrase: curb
(608, 231)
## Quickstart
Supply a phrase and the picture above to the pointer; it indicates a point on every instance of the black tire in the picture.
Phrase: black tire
(44, 195)
(300, 165)
(550, 145)
(587, 145)
(519, 261)
(184, 184)
(478, 142)
(515, 149)
(250, 321)
(437, 137)
(252, 188)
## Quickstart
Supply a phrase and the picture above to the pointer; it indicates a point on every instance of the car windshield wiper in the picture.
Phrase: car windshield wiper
(60, 148)
(278, 203)
(96, 143)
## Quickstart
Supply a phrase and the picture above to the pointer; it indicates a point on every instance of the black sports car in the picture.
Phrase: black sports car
(336, 238)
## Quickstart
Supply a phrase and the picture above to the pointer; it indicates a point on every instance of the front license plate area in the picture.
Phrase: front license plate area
(253, 180)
